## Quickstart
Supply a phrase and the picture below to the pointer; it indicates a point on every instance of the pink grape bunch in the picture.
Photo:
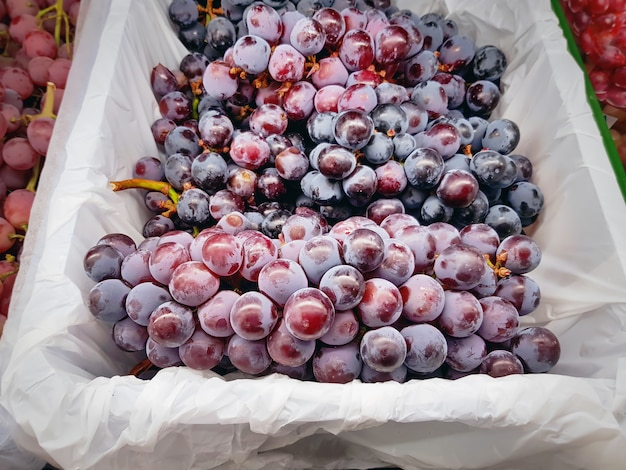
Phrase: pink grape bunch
(36, 40)
(333, 203)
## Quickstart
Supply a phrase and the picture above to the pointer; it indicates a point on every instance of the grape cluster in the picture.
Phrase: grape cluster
(335, 202)
(36, 42)
(599, 28)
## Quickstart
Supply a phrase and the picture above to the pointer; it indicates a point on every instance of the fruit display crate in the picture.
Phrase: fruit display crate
(65, 382)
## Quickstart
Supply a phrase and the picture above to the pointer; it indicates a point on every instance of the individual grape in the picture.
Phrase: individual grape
(193, 207)
(466, 354)
(263, 21)
(192, 284)
(413, 198)
(149, 168)
(460, 267)
(380, 208)
(270, 185)
(233, 223)
(524, 167)
(38, 70)
(201, 351)
(383, 349)
(218, 82)
(336, 162)
(426, 348)
(333, 24)
(522, 253)
(493, 169)
(215, 129)
(391, 44)
(500, 363)
(501, 135)
(161, 356)
(268, 119)
(129, 336)
(193, 65)
(483, 237)
(379, 149)
(300, 227)
(337, 364)
(420, 68)
(214, 314)
(390, 119)
(241, 182)
(356, 50)
(474, 213)
(101, 262)
(424, 168)
(422, 244)
(321, 189)
(161, 128)
(39, 133)
(280, 278)
(398, 263)
(176, 235)
(143, 299)
(366, 76)
(220, 33)
(359, 96)
(503, 220)
(381, 304)
(298, 101)
(462, 314)
(253, 316)
(431, 96)
(249, 150)
(327, 96)
(17, 207)
(489, 63)
(364, 249)
(183, 12)
(537, 348)
(308, 36)
(222, 253)
(182, 140)
(521, 291)
(500, 319)
(286, 64)
(482, 97)
(343, 330)
(422, 298)
(286, 349)
(171, 324)
(360, 185)
(156, 201)
(457, 188)
(157, 226)
(445, 235)
(258, 250)
(320, 127)
(456, 53)
(106, 300)
(165, 259)
(403, 145)
(344, 286)
(134, 269)
(308, 314)
(525, 198)
(318, 255)
(443, 137)
(250, 357)
(394, 222)
(17, 79)
(434, 210)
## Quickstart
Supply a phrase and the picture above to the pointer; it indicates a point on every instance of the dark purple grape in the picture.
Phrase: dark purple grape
(193, 207)
(353, 129)
(503, 220)
(178, 170)
(457, 188)
(525, 198)
(501, 135)
(460, 266)
(182, 140)
(456, 53)
(482, 97)
(102, 262)
(107, 299)
(426, 348)
(220, 33)
(500, 363)
(183, 12)
(489, 63)
(537, 348)
(493, 169)
(521, 291)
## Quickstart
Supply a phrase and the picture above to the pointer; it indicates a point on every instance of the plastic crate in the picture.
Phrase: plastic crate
(64, 380)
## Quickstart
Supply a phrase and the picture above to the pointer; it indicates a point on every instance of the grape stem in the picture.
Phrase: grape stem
(151, 185)
(34, 178)
(498, 267)
(209, 11)
(48, 107)
(141, 367)
(61, 18)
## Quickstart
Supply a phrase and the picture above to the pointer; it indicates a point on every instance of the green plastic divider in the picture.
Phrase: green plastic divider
(609, 144)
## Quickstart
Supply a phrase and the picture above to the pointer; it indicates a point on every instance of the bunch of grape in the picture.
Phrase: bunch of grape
(599, 28)
(334, 203)
(36, 42)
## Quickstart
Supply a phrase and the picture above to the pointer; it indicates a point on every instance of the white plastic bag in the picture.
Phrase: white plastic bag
(63, 379)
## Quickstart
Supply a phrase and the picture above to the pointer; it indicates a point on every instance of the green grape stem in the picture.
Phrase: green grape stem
(151, 185)
(61, 18)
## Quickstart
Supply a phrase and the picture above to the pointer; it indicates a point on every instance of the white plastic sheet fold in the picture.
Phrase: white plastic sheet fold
(63, 379)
